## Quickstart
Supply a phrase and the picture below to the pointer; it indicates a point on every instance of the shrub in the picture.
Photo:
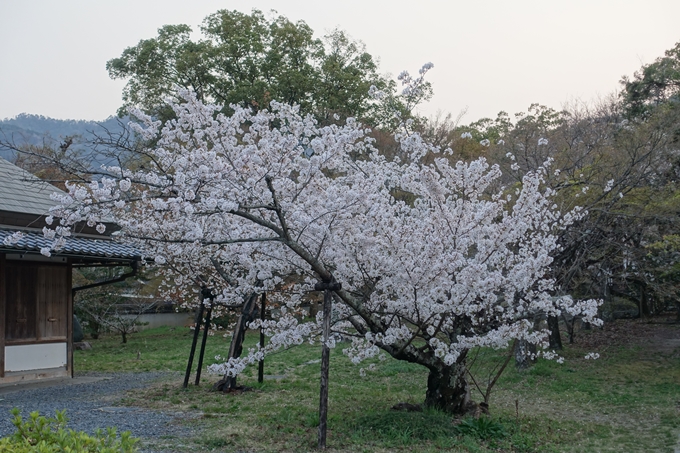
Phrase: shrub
(40, 434)
(483, 428)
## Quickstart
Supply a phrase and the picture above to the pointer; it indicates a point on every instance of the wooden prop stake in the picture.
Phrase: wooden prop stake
(260, 369)
(206, 328)
(197, 328)
(327, 288)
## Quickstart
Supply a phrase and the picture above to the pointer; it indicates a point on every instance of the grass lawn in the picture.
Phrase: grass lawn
(626, 401)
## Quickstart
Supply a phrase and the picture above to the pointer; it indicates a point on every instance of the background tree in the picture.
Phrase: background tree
(249, 60)
(621, 172)
(653, 85)
(115, 307)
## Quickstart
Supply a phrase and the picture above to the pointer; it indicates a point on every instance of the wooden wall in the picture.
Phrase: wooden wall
(37, 297)
(36, 306)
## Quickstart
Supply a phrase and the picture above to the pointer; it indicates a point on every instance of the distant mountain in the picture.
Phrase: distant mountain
(57, 128)
(27, 129)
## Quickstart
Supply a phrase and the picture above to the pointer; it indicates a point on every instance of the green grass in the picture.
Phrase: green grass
(161, 349)
(628, 400)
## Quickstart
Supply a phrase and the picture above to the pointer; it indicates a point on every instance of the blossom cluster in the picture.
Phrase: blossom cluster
(429, 252)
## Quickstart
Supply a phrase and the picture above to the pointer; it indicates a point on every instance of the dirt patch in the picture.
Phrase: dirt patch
(656, 334)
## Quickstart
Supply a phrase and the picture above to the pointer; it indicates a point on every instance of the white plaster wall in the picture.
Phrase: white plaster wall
(35, 356)
(152, 320)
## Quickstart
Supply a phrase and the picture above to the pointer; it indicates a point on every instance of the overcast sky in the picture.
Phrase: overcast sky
(488, 55)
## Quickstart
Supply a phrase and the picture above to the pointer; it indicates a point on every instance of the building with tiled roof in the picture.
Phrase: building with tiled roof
(36, 293)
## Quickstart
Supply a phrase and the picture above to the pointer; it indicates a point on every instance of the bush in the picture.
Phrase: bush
(49, 435)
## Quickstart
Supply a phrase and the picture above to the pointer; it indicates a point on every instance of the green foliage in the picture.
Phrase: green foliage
(250, 60)
(653, 85)
(39, 434)
(621, 173)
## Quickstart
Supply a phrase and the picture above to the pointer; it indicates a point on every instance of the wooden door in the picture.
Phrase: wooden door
(20, 303)
(52, 302)
(36, 302)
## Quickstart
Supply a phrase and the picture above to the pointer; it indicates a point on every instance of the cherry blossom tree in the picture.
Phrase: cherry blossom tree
(433, 258)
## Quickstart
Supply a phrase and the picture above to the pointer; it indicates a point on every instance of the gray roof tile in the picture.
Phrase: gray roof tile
(33, 242)
(20, 191)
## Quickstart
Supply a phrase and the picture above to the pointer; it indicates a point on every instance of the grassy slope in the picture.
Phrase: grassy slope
(628, 400)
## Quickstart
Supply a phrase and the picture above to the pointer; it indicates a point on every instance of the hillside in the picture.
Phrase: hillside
(36, 130)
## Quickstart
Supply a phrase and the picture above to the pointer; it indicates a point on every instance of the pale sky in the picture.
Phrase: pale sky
(488, 55)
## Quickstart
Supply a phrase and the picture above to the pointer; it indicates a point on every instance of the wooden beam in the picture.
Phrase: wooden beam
(3, 293)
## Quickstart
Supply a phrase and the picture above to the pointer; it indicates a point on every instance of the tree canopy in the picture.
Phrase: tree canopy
(618, 160)
(249, 60)
(654, 84)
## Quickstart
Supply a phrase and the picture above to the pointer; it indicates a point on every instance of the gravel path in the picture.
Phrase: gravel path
(93, 405)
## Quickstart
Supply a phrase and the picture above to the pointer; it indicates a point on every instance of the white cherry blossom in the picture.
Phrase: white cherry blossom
(434, 258)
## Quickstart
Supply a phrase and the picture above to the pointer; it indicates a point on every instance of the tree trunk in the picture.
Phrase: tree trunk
(206, 329)
(524, 354)
(554, 338)
(448, 390)
(644, 303)
(228, 383)
(571, 326)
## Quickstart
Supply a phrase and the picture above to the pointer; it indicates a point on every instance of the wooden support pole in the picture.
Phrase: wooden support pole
(206, 328)
(197, 328)
(327, 288)
(70, 300)
(260, 368)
